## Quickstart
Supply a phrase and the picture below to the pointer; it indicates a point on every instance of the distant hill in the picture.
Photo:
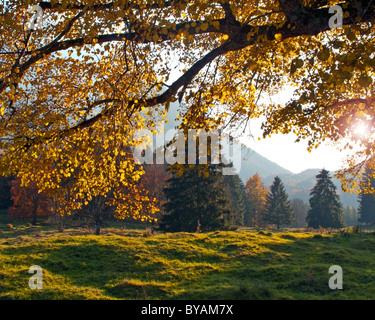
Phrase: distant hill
(253, 162)
(299, 186)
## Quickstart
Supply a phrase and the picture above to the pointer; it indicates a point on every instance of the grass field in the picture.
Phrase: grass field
(131, 264)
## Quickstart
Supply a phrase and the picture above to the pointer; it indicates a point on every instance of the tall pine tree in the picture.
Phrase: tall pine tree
(237, 199)
(278, 208)
(196, 196)
(325, 207)
(195, 199)
(366, 209)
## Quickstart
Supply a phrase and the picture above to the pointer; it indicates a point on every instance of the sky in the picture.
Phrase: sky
(283, 150)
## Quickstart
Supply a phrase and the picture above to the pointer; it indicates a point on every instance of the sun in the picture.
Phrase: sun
(360, 130)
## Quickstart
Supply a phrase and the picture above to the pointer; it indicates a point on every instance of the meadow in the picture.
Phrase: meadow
(134, 264)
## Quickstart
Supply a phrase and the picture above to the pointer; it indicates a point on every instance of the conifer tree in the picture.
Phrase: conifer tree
(237, 199)
(195, 199)
(367, 201)
(196, 195)
(325, 207)
(278, 208)
(5, 195)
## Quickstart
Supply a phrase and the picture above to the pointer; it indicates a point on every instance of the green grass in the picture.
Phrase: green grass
(244, 264)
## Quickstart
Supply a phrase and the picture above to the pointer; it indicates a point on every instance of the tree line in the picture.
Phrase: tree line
(201, 199)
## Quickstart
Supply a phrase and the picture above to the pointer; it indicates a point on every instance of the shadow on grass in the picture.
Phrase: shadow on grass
(212, 266)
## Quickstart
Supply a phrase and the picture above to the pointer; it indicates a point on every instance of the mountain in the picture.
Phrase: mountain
(252, 163)
(297, 185)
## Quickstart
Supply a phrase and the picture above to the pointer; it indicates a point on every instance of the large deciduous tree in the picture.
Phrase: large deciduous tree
(95, 72)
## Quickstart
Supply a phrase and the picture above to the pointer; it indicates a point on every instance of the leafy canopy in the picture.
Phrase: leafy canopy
(74, 92)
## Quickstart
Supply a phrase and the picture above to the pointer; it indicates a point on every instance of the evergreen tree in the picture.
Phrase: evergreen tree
(350, 216)
(367, 201)
(237, 199)
(195, 199)
(278, 208)
(325, 207)
(300, 208)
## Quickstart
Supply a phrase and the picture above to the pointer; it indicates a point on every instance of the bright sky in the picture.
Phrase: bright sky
(283, 150)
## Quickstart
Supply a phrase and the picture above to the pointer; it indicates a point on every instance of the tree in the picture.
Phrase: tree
(196, 201)
(28, 202)
(96, 72)
(155, 181)
(366, 209)
(5, 196)
(278, 208)
(300, 209)
(256, 196)
(350, 216)
(325, 207)
(237, 199)
(97, 212)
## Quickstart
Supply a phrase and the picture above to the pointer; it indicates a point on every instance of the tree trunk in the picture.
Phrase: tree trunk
(34, 215)
(97, 230)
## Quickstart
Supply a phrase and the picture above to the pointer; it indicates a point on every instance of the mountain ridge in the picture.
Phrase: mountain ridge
(298, 185)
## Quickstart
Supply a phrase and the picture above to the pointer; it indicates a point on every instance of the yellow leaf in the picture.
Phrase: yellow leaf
(204, 26)
(278, 37)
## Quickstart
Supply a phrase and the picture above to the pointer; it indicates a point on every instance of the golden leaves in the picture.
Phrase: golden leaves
(77, 110)
(278, 37)
(324, 54)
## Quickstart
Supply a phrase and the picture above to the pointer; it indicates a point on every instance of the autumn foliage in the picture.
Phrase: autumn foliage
(28, 202)
(256, 195)
(75, 92)
(154, 181)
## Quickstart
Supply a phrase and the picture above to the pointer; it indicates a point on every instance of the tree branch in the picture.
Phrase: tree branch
(104, 6)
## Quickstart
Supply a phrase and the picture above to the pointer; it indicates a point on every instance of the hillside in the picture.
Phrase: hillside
(253, 162)
(245, 264)
(299, 186)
